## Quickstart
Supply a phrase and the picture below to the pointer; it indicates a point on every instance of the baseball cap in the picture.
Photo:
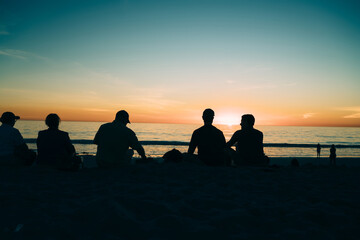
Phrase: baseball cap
(8, 117)
(122, 114)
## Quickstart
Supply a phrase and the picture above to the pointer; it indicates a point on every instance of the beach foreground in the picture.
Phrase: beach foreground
(177, 201)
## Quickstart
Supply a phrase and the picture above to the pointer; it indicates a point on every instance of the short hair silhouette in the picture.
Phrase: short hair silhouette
(208, 115)
(52, 120)
(249, 119)
(122, 115)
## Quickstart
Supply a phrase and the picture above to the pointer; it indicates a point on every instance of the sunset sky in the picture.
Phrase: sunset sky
(286, 62)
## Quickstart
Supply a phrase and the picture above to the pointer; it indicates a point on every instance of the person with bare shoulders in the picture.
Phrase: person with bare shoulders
(209, 141)
(13, 149)
(113, 141)
(249, 144)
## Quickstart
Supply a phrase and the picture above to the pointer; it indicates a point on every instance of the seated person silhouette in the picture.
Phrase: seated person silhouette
(13, 149)
(209, 141)
(249, 144)
(113, 141)
(54, 146)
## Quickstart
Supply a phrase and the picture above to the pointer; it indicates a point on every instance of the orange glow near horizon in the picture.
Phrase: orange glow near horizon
(177, 117)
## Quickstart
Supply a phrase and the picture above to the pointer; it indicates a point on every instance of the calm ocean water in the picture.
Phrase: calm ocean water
(280, 141)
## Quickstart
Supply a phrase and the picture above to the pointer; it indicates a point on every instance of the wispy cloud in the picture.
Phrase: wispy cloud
(4, 32)
(308, 115)
(230, 81)
(355, 110)
(19, 54)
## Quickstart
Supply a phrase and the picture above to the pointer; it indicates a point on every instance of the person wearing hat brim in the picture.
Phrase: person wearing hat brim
(114, 141)
(13, 149)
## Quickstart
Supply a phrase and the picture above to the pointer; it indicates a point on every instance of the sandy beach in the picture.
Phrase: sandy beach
(184, 200)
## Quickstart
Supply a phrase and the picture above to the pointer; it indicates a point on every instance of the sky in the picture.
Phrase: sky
(285, 62)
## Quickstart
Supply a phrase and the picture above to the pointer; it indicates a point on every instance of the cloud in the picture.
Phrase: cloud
(230, 81)
(308, 115)
(4, 33)
(19, 54)
(355, 110)
(356, 115)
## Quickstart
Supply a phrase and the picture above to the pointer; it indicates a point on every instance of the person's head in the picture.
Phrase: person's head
(52, 120)
(122, 116)
(247, 121)
(208, 116)
(9, 118)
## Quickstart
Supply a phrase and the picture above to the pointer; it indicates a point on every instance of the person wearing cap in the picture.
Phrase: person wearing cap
(209, 141)
(13, 149)
(54, 146)
(249, 144)
(114, 141)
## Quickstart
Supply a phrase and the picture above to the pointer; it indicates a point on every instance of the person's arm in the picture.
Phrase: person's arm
(21, 147)
(97, 136)
(262, 143)
(223, 140)
(140, 151)
(232, 141)
(193, 144)
(135, 144)
(69, 147)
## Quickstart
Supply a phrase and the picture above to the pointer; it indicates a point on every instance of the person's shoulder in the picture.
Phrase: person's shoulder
(199, 130)
(13, 130)
(129, 130)
(238, 132)
(258, 131)
(42, 132)
(216, 129)
(63, 133)
(110, 124)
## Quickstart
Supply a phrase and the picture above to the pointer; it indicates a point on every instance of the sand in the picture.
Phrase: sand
(179, 201)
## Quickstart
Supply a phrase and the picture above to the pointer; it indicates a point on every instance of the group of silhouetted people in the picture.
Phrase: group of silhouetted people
(214, 150)
(54, 147)
(332, 153)
(116, 142)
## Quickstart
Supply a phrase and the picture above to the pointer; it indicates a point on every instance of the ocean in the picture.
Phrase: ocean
(157, 139)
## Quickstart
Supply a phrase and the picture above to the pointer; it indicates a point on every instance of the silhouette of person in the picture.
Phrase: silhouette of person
(333, 155)
(13, 149)
(113, 141)
(54, 146)
(318, 150)
(209, 141)
(249, 144)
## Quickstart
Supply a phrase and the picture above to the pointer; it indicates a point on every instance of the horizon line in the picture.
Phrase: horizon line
(280, 125)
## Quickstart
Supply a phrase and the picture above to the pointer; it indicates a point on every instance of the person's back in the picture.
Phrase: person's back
(10, 137)
(54, 146)
(13, 149)
(113, 140)
(209, 140)
(249, 144)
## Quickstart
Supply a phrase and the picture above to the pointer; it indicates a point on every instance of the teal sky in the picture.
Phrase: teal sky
(288, 62)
